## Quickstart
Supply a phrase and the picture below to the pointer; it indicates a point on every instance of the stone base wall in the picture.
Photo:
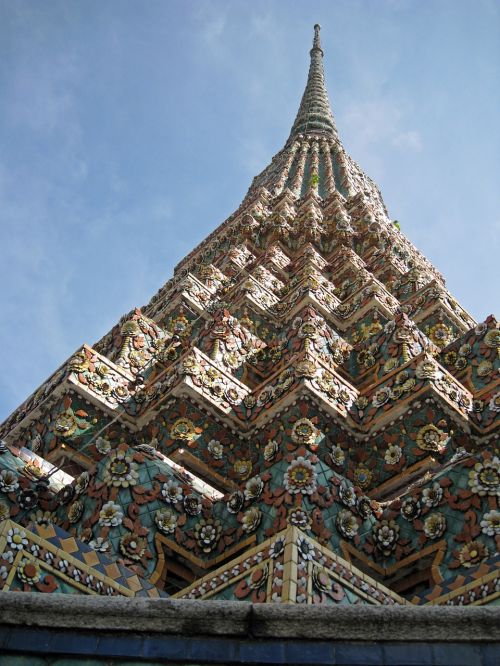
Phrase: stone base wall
(39, 630)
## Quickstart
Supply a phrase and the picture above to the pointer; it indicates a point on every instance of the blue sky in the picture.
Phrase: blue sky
(129, 130)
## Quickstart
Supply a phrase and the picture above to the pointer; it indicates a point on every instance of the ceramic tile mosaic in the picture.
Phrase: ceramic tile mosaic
(304, 376)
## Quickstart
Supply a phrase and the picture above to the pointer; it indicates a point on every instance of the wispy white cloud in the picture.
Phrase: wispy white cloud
(211, 20)
(377, 120)
(408, 140)
(254, 156)
(41, 97)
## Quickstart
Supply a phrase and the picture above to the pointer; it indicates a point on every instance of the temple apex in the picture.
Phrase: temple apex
(316, 40)
(315, 114)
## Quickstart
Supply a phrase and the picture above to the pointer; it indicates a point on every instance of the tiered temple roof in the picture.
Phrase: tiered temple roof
(303, 414)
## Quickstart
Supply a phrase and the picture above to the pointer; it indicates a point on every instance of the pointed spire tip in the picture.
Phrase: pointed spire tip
(316, 40)
(315, 114)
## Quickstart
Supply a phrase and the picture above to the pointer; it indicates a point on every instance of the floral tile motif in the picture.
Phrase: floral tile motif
(33, 563)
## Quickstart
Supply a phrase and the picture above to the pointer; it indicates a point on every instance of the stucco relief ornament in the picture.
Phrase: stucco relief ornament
(270, 450)
(133, 546)
(28, 571)
(393, 454)
(480, 329)
(253, 488)
(251, 519)
(364, 507)
(427, 369)
(103, 445)
(433, 495)
(492, 338)
(82, 483)
(79, 362)
(347, 494)
(111, 515)
(361, 402)
(299, 518)
(362, 476)
(243, 468)
(180, 326)
(249, 401)
(235, 502)
(308, 330)
(75, 511)
(5, 511)
(326, 383)
(337, 354)
(9, 481)
(66, 494)
(450, 358)
(265, 396)
(465, 350)
(440, 334)
(390, 364)
(343, 224)
(171, 492)
(168, 351)
(120, 471)
(490, 524)
(324, 584)
(277, 548)
(131, 329)
(190, 366)
(66, 424)
(166, 520)
(192, 504)
(305, 368)
(216, 449)
(435, 525)
(410, 509)
(16, 538)
(232, 395)
(478, 406)
(382, 396)
(337, 455)
(305, 549)
(366, 358)
(471, 554)
(484, 368)
(347, 523)
(431, 438)
(121, 393)
(207, 534)
(27, 498)
(183, 429)
(300, 477)
(304, 432)
(386, 534)
(484, 479)
(285, 380)
(99, 544)
(494, 403)
(259, 577)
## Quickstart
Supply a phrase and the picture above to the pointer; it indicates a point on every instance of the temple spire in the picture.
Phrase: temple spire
(317, 41)
(315, 114)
